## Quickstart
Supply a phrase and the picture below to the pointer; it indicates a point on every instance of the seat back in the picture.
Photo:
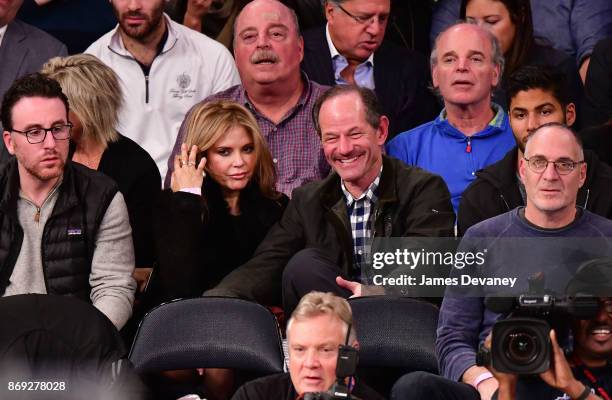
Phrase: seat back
(63, 339)
(208, 332)
(396, 336)
(396, 332)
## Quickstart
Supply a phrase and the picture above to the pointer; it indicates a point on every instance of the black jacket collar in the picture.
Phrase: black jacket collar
(502, 175)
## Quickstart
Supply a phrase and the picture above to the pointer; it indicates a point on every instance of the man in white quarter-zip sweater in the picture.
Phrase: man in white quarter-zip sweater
(164, 69)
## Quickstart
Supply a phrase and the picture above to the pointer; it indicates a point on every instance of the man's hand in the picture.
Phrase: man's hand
(560, 374)
(506, 382)
(142, 277)
(485, 388)
(353, 287)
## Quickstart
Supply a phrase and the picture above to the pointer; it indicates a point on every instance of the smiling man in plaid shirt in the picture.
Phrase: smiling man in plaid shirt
(321, 241)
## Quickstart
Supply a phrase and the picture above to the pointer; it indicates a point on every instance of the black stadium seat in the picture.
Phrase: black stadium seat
(396, 335)
(209, 332)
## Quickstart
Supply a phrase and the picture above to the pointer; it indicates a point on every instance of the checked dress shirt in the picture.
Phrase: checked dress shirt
(360, 211)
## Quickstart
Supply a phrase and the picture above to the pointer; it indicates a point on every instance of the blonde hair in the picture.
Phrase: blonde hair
(208, 122)
(93, 91)
(315, 304)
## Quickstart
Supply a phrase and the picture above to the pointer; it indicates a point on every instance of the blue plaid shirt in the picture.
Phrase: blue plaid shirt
(359, 212)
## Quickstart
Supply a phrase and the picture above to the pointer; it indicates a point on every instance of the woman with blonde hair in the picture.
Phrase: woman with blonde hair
(222, 200)
(95, 99)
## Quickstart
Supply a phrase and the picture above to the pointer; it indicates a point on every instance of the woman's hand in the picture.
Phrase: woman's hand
(186, 174)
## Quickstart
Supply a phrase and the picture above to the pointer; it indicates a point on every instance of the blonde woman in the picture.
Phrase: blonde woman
(94, 95)
(221, 203)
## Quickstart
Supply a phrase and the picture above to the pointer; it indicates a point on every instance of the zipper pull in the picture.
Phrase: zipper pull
(37, 215)
(147, 89)
(468, 148)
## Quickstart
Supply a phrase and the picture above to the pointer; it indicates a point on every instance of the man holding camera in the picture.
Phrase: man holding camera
(315, 334)
(586, 374)
(552, 170)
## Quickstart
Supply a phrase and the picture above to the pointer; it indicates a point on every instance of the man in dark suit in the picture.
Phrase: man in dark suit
(350, 50)
(23, 50)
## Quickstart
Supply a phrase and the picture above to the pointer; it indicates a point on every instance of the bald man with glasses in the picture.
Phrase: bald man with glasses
(548, 238)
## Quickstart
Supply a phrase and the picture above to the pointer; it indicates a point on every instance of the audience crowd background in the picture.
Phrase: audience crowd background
(254, 148)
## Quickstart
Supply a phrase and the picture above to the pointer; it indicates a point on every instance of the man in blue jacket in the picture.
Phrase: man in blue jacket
(471, 132)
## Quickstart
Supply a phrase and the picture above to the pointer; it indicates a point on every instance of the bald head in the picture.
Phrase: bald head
(552, 170)
(460, 28)
(554, 132)
(268, 47)
(466, 66)
(267, 9)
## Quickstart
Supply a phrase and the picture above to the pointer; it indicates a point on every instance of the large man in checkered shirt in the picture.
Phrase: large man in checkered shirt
(268, 49)
(320, 242)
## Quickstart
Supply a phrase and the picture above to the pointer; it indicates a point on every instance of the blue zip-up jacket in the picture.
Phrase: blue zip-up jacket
(439, 147)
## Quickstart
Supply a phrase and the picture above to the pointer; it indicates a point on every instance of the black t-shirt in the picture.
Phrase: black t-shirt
(279, 387)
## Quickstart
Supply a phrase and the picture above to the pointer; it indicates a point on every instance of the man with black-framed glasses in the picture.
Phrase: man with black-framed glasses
(64, 228)
(350, 49)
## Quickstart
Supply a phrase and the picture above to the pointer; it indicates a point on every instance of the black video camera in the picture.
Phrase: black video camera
(346, 365)
(521, 344)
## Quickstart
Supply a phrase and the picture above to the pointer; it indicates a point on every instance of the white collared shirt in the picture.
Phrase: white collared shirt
(364, 73)
(2, 33)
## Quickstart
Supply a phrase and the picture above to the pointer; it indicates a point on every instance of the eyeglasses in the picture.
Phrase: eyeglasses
(563, 167)
(38, 135)
(365, 20)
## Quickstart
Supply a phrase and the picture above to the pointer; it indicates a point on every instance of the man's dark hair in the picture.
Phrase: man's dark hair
(546, 78)
(33, 85)
(367, 96)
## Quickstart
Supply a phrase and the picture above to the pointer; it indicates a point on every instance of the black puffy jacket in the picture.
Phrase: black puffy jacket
(69, 234)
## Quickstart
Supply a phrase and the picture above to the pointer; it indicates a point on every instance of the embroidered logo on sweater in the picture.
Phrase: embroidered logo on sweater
(74, 231)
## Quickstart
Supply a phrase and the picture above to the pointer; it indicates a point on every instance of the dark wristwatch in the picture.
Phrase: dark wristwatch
(585, 393)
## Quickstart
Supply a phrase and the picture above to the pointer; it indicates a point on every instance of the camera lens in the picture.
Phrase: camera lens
(522, 347)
